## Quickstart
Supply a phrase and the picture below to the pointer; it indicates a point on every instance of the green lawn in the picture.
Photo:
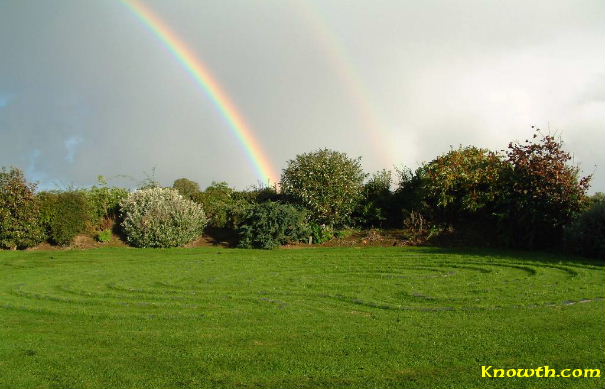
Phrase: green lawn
(331, 317)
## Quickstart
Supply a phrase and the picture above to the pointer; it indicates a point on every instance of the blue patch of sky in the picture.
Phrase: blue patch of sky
(71, 145)
(4, 100)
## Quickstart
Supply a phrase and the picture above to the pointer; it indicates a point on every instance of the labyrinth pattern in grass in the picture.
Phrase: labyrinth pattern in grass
(199, 284)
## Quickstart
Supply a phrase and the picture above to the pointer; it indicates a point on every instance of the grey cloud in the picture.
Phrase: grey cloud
(433, 73)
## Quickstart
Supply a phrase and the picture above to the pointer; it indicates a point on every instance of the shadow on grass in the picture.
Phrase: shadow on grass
(551, 256)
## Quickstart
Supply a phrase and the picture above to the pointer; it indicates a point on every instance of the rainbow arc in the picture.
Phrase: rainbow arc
(210, 85)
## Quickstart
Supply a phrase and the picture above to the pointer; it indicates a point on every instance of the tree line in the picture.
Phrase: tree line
(527, 196)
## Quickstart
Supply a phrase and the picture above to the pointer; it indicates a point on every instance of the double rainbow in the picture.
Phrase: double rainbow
(209, 84)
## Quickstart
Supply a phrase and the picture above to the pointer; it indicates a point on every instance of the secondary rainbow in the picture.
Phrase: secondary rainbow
(210, 86)
(336, 53)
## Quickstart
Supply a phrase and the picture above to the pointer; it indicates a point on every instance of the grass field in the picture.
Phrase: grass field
(331, 317)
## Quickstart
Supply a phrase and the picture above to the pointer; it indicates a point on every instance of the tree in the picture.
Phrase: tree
(586, 234)
(216, 201)
(186, 187)
(327, 182)
(546, 192)
(19, 211)
(376, 207)
(467, 182)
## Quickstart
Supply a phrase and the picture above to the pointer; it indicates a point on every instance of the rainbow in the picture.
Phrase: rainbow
(202, 76)
(336, 53)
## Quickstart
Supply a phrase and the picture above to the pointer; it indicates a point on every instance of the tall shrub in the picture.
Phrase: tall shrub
(326, 182)
(268, 225)
(376, 207)
(216, 200)
(161, 217)
(186, 187)
(546, 192)
(19, 212)
(64, 215)
(464, 183)
(104, 204)
(586, 234)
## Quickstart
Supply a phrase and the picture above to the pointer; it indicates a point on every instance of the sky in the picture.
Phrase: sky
(88, 89)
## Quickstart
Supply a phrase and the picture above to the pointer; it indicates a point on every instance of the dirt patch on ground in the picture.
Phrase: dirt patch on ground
(365, 238)
(214, 237)
(83, 242)
(360, 238)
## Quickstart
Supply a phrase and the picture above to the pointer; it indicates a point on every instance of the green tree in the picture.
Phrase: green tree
(186, 187)
(216, 201)
(326, 182)
(19, 211)
(376, 207)
(467, 182)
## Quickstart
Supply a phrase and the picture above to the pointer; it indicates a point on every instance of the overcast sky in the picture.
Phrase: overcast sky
(87, 89)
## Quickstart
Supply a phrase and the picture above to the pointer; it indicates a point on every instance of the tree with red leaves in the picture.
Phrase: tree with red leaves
(546, 192)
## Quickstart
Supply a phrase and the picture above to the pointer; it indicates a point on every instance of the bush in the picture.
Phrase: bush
(268, 225)
(321, 233)
(104, 204)
(258, 194)
(326, 182)
(586, 235)
(19, 211)
(466, 183)
(545, 192)
(64, 215)
(186, 187)
(159, 217)
(216, 201)
(104, 236)
(376, 208)
(226, 208)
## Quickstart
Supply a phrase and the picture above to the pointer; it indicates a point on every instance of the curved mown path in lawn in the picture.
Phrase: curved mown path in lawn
(388, 317)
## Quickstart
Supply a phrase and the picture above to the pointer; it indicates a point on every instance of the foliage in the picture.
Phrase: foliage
(186, 187)
(104, 204)
(64, 215)
(258, 194)
(586, 235)
(104, 236)
(150, 181)
(376, 206)
(160, 217)
(419, 229)
(326, 182)
(546, 193)
(216, 201)
(268, 225)
(19, 211)
(409, 196)
(226, 207)
(321, 233)
(467, 182)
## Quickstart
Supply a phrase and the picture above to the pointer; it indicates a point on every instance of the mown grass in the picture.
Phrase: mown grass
(331, 317)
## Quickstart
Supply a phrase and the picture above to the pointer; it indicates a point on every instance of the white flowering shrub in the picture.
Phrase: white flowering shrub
(160, 217)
